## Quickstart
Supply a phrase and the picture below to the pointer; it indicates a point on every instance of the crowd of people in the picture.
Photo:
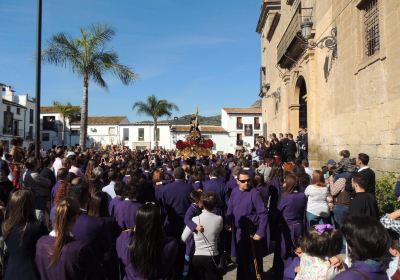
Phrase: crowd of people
(131, 214)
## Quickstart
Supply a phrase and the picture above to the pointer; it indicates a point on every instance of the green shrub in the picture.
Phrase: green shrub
(385, 193)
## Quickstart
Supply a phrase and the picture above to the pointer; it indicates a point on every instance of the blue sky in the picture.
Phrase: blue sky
(194, 53)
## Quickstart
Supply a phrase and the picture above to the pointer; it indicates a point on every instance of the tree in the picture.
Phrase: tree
(66, 111)
(88, 57)
(156, 109)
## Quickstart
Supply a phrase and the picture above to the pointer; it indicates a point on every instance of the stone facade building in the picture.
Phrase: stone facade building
(347, 93)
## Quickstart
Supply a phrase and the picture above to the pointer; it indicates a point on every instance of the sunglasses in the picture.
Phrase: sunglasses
(244, 181)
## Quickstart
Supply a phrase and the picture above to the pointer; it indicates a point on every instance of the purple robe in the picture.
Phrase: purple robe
(220, 189)
(289, 273)
(369, 269)
(77, 261)
(198, 185)
(91, 230)
(193, 211)
(125, 213)
(168, 257)
(175, 200)
(113, 204)
(290, 226)
(247, 216)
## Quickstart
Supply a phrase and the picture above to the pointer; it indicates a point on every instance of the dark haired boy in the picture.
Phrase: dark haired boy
(363, 203)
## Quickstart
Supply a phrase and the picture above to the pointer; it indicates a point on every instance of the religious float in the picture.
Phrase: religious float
(194, 145)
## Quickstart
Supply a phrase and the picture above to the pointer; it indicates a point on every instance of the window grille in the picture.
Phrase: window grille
(371, 26)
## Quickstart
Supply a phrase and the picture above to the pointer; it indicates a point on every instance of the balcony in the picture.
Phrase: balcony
(257, 126)
(290, 48)
(239, 126)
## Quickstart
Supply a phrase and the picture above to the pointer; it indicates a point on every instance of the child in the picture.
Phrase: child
(393, 271)
(118, 188)
(193, 211)
(320, 244)
(292, 265)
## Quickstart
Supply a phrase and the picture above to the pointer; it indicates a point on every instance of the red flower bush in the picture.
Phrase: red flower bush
(180, 145)
(208, 144)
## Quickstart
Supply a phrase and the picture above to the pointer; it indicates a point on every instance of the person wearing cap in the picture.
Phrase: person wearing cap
(340, 190)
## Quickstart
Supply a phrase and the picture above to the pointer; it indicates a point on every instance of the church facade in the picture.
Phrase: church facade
(333, 67)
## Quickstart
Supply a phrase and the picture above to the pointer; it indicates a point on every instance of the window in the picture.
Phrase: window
(248, 130)
(30, 116)
(45, 137)
(239, 123)
(8, 108)
(111, 131)
(371, 34)
(125, 132)
(158, 134)
(49, 123)
(239, 140)
(141, 134)
(30, 133)
(18, 111)
(256, 123)
(75, 132)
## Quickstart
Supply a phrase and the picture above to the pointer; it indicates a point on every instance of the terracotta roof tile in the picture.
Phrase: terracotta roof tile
(251, 110)
(52, 110)
(114, 120)
(203, 128)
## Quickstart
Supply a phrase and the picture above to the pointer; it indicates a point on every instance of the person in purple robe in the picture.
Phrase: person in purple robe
(21, 230)
(119, 189)
(197, 178)
(216, 186)
(62, 174)
(146, 252)
(232, 182)
(368, 244)
(125, 211)
(175, 201)
(88, 229)
(289, 223)
(98, 208)
(158, 183)
(247, 219)
(193, 211)
(60, 256)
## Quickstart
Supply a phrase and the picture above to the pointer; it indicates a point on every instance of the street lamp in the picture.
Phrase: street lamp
(329, 42)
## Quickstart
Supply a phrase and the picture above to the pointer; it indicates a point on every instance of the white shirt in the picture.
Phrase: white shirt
(309, 171)
(362, 168)
(206, 243)
(110, 189)
(57, 165)
(317, 203)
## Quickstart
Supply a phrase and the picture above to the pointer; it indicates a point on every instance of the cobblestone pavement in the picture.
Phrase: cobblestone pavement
(231, 275)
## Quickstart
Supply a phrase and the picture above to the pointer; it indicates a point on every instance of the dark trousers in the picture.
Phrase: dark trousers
(5, 190)
(203, 268)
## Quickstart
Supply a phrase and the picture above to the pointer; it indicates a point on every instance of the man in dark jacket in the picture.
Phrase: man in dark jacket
(291, 148)
(363, 202)
(365, 171)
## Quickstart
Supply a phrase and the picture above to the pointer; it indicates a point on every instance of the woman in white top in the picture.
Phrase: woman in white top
(317, 211)
(206, 255)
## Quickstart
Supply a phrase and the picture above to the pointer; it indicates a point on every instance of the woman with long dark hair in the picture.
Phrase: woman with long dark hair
(289, 223)
(145, 251)
(59, 255)
(21, 231)
(98, 208)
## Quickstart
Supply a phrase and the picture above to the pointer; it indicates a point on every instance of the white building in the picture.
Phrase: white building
(17, 116)
(53, 128)
(243, 126)
(239, 127)
(101, 131)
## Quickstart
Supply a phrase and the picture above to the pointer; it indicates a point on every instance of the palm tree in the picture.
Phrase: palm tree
(66, 111)
(88, 57)
(156, 109)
